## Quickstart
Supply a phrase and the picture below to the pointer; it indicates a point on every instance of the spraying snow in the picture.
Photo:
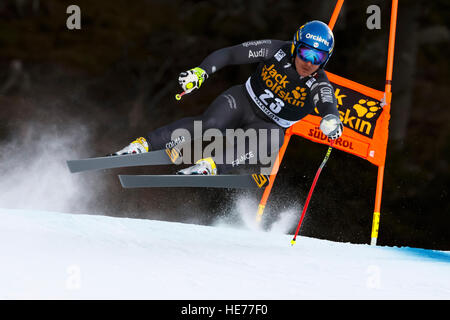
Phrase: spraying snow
(34, 173)
(243, 216)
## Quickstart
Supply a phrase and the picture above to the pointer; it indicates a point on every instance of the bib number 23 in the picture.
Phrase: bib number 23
(275, 104)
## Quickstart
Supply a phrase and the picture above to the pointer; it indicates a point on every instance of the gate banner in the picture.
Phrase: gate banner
(363, 116)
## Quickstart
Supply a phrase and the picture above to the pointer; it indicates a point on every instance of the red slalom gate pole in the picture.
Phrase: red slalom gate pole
(305, 207)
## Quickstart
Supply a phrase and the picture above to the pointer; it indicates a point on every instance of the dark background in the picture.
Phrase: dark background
(118, 76)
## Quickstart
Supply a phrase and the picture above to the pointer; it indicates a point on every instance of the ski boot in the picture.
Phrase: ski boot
(139, 145)
(205, 166)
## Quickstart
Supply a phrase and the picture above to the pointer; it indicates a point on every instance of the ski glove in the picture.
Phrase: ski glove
(331, 126)
(192, 79)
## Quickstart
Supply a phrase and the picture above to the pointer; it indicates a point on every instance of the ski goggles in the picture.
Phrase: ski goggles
(307, 54)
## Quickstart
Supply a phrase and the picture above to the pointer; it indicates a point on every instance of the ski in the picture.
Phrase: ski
(253, 181)
(158, 157)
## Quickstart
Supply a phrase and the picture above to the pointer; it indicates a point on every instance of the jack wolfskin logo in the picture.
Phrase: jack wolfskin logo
(273, 78)
(366, 108)
(277, 83)
(356, 110)
(362, 116)
(300, 94)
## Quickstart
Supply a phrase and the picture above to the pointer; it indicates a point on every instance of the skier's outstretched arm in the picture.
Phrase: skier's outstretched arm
(247, 52)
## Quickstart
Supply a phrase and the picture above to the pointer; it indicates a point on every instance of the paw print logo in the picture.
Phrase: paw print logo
(367, 108)
(300, 94)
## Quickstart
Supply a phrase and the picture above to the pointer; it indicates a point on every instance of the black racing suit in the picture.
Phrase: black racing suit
(274, 97)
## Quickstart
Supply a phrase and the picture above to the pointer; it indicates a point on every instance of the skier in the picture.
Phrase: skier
(288, 84)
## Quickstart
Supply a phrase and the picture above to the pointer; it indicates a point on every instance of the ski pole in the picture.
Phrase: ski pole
(305, 207)
(179, 95)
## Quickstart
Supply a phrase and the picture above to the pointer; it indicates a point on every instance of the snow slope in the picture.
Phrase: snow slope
(47, 255)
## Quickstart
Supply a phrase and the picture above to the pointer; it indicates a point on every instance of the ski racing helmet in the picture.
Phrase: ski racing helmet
(313, 42)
